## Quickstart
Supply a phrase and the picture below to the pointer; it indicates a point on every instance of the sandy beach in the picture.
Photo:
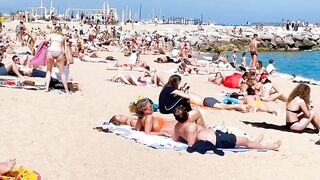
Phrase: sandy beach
(53, 133)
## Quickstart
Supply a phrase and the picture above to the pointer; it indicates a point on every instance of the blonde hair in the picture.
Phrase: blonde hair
(138, 107)
(303, 91)
(57, 30)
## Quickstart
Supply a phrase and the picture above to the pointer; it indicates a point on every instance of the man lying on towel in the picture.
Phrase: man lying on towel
(191, 132)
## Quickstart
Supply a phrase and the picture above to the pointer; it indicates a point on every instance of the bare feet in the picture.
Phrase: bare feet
(259, 138)
(275, 145)
(7, 166)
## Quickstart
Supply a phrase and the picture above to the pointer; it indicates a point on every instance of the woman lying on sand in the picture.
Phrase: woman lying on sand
(146, 79)
(299, 114)
(149, 123)
(190, 132)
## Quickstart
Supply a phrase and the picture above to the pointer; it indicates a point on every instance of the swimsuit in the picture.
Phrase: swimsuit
(160, 123)
(289, 124)
(254, 53)
(224, 140)
(210, 101)
(55, 54)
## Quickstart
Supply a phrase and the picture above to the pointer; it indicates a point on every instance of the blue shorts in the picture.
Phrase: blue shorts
(3, 71)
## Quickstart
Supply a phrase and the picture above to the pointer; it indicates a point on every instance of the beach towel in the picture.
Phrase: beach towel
(153, 141)
(21, 173)
(232, 81)
(40, 58)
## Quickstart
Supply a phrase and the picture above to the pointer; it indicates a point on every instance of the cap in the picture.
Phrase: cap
(271, 61)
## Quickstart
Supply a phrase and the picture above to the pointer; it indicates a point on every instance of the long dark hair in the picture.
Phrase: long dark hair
(173, 81)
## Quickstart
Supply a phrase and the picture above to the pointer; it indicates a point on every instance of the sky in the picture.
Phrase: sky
(218, 11)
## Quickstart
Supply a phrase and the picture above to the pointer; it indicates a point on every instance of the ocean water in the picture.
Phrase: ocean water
(304, 64)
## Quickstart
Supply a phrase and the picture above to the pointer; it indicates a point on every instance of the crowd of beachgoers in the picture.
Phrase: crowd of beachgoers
(50, 54)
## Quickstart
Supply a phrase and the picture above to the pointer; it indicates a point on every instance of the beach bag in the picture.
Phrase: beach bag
(232, 81)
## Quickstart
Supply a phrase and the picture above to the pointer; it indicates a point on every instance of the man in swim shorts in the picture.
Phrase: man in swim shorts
(254, 51)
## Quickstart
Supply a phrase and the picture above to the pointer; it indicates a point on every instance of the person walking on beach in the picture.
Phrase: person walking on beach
(254, 51)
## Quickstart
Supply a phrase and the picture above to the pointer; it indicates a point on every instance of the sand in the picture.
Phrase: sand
(53, 133)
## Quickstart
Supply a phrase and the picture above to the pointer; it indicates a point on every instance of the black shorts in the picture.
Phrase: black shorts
(224, 140)
(254, 53)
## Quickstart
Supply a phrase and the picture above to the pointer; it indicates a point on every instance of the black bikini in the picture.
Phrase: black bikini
(289, 124)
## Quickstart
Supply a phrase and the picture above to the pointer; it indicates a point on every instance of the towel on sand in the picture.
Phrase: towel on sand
(153, 141)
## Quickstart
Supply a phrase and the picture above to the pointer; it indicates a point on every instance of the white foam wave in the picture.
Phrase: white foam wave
(297, 78)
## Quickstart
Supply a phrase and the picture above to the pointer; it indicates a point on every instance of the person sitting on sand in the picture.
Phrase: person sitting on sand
(191, 132)
(217, 79)
(255, 103)
(299, 114)
(172, 96)
(270, 68)
(5, 69)
(7, 166)
(269, 92)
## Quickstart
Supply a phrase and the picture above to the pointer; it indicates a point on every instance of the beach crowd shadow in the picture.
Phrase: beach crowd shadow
(277, 127)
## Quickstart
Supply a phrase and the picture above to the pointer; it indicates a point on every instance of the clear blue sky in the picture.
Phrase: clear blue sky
(220, 11)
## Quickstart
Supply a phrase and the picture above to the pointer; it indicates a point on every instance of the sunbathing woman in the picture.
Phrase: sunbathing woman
(299, 114)
(56, 52)
(145, 79)
(156, 125)
(255, 103)
(217, 79)
(269, 92)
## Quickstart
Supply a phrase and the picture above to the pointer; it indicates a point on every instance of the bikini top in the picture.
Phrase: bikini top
(296, 111)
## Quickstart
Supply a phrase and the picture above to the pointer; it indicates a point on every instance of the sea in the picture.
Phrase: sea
(305, 65)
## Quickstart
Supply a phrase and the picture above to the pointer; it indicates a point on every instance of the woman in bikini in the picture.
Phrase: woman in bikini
(152, 124)
(299, 114)
(56, 55)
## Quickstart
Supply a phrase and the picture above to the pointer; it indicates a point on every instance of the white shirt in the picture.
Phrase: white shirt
(270, 68)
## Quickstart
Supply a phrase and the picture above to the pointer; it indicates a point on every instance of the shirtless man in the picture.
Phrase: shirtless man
(253, 51)
(191, 132)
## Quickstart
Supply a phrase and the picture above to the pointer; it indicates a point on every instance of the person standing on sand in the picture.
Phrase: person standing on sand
(254, 51)
(57, 55)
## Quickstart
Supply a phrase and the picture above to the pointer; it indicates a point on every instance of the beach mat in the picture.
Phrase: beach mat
(156, 142)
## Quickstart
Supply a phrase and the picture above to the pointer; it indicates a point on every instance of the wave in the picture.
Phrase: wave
(298, 79)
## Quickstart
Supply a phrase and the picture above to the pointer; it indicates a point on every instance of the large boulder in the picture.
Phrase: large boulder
(298, 37)
(265, 44)
(308, 42)
(298, 44)
(314, 37)
(267, 37)
(289, 41)
(280, 43)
